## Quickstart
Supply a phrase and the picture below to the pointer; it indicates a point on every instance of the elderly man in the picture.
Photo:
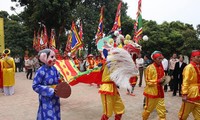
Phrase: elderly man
(191, 88)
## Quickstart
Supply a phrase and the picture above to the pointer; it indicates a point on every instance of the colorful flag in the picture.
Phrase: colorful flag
(76, 41)
(68, 42)
(138, 23)
(99, 33)
(52, 42)
(117, 23)
(38, 40)
(81, 34)
(67, 69)
(35, 42)
(43, 38)
(81, 31)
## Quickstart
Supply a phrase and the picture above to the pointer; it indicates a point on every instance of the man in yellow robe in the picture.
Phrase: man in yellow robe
(153, 91)
(8, 66)
(191, 88)
(110, 97)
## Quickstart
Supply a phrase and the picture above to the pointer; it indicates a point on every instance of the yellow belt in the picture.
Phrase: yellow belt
(52, 86)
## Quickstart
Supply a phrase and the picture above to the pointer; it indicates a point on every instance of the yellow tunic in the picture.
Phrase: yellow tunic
(108, 86)
(152, 74)
(191, 84)
(8, 71)
(190, 87)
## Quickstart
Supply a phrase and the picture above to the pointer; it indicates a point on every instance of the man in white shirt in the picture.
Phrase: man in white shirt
(140, 65)
(165, 67)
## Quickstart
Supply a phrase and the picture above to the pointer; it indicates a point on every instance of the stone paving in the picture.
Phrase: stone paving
(83, 104)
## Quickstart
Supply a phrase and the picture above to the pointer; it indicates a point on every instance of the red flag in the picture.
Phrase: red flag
(35, 45)
(81, 34)
(99, 33)
(117, 23)
(52, 42)
(45, 37)
(38, 40)
(81, 31)
(68, 42)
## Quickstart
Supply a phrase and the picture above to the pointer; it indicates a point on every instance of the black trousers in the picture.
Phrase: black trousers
(171, 83)
(29, 74)
(141, 69)
(166, 86)
(177, 86)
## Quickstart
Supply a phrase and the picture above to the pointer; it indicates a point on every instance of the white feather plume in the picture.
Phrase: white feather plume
(121, 66)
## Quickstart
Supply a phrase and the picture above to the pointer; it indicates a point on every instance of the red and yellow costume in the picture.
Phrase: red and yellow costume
(154, 92)
(191, 89)
(110, 97)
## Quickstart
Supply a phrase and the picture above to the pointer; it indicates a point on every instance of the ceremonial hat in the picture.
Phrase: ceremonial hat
(6, 52)
(156, 54)
(195, 53)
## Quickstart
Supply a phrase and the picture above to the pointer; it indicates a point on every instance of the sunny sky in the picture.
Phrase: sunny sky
(186, 11)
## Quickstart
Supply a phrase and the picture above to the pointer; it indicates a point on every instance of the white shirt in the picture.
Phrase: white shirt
(165, 64)
(172, 63)
(180, 63)
(139, 62)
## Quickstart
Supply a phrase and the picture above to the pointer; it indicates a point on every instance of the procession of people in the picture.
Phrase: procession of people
(185, 82)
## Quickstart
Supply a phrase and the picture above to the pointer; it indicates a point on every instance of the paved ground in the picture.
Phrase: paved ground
(83, 104)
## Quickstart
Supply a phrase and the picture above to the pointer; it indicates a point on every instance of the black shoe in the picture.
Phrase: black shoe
(174, 95)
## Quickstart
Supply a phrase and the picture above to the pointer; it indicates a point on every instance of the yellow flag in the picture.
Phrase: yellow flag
(2, 46)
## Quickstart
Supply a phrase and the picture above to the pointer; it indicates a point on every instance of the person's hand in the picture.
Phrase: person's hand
(160, 81)
(184, 97)
(55, 91)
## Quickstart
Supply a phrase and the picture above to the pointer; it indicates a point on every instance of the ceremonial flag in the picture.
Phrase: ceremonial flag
(35, 41)
(67, 69)
(38, 40)
(43, 39)
(81, 34)
(99, 33)
(117, 23)
(52, 42)
(138, 23)
(81, 31)
(76, 41)
(68, 42)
